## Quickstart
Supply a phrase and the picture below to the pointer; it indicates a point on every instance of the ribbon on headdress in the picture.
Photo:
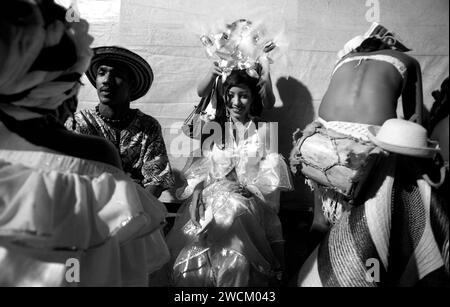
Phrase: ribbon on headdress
(20, 88)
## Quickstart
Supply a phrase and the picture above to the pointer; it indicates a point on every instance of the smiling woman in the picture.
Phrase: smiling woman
(242, 97)
(228, 232)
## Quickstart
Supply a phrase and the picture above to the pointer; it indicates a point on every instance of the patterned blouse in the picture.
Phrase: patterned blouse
(140, 144)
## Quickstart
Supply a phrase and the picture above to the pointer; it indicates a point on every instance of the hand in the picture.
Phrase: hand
(197, 209)
(265, 84)
(265, 73)
(215, 70)
(206, 84)
(265, 66)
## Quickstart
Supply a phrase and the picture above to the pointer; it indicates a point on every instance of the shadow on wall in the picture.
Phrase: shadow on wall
(296, 113)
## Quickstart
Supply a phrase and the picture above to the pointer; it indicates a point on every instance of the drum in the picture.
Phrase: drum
(333, 160)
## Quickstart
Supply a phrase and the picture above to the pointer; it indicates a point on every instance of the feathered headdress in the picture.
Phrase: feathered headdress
(240, 45)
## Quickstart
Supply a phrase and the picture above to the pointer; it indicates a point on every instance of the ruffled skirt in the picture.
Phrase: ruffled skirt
(70, 222)
(231, 248)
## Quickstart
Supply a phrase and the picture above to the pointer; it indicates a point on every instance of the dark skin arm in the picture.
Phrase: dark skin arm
(47, 134)
(412, 96)
(86, 147)
(205, 85)
(265, 83)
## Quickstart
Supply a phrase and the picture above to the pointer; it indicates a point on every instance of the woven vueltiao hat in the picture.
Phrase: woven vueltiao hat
(403, 137)
(140, 69)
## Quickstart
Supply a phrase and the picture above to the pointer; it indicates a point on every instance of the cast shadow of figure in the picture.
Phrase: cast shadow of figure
(297, 112)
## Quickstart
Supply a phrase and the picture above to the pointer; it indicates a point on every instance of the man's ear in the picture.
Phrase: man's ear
(389, 40)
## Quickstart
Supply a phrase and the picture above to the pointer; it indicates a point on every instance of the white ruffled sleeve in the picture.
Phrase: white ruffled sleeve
(56, 207)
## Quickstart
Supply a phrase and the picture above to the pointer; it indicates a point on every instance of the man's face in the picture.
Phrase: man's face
(113, 84)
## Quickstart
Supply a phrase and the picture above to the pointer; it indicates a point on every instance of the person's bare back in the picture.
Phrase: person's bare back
(366, 87)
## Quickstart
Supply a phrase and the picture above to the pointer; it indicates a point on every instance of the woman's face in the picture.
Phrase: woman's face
(239, 99)
(113, 83)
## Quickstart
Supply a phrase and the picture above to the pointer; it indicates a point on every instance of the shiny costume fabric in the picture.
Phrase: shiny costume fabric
(232, 248)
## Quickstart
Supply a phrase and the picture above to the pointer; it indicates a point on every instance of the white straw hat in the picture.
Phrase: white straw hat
(403, 137)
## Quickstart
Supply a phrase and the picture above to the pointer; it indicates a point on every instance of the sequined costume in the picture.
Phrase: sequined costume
(232, 247)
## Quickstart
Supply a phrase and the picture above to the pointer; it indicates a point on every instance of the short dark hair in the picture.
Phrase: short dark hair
(240, 77)
(373, 44)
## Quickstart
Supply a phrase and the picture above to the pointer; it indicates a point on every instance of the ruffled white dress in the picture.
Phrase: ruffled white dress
(65, 221)
(232, 248)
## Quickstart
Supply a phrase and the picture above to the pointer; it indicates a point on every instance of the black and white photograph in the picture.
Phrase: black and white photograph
(224, 151)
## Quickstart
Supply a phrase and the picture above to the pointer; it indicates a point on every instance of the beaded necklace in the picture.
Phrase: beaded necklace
(116, 122)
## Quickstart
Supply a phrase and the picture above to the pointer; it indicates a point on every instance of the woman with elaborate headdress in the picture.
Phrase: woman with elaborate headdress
(228, 232)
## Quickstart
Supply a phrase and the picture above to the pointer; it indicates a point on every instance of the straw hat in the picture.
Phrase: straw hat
(141, 70)
(403, 137)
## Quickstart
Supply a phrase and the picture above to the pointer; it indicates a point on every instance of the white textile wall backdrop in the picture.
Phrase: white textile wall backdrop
(166, 33)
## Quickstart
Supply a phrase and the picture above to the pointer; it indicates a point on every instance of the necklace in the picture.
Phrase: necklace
(121, 121)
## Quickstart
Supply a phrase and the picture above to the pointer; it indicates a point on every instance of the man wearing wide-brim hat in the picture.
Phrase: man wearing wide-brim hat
(120, 77)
